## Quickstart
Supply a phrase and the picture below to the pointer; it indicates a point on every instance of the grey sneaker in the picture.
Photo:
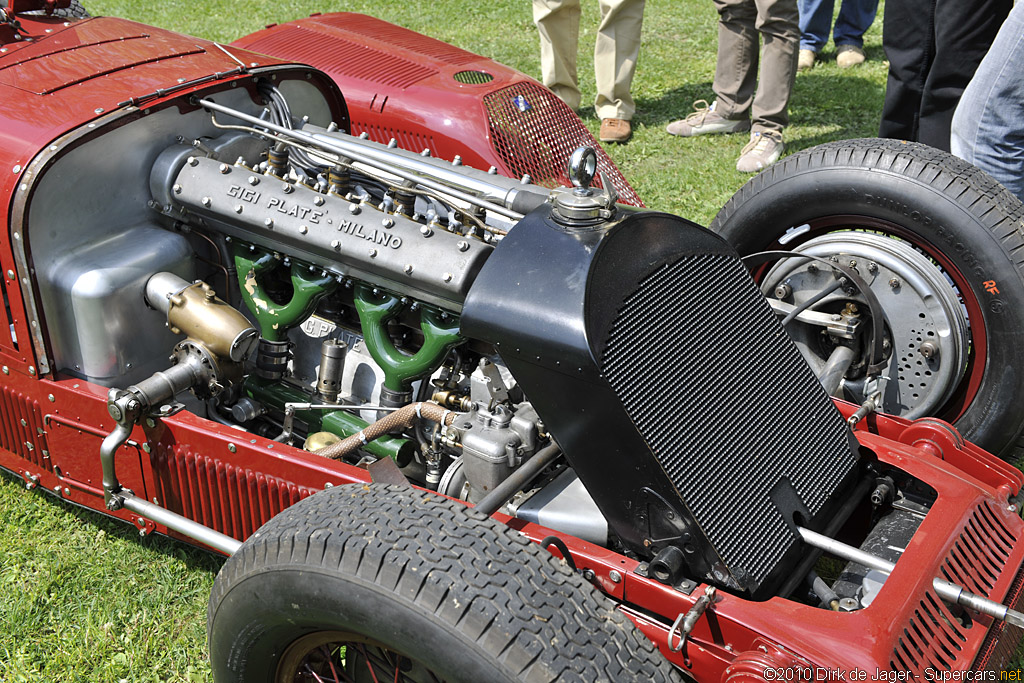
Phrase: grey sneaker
(763, 150)
(705, 120)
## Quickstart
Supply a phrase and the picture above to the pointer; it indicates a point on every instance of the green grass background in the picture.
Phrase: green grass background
(86, 599)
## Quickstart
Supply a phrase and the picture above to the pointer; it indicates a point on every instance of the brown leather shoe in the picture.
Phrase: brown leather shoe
(615, 130)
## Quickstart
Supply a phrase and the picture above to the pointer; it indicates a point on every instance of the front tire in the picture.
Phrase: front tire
(960, 225)
(420, 588)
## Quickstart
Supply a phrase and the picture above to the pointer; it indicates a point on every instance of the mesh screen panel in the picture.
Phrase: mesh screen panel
(535, 133)
(702, 366)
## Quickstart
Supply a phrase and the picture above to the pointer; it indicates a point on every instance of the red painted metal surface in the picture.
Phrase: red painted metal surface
(427, 94)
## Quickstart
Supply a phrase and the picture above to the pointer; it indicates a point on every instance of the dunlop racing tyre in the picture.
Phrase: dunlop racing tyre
(959, 222)
(419, 587)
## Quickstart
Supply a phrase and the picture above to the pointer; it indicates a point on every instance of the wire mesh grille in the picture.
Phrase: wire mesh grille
(535, 133)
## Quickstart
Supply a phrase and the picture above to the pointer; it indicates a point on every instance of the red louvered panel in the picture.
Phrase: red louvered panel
(352, 59)
(232, 500)
(934, 638)
(406, 140)
(21, 428)
(377, 30)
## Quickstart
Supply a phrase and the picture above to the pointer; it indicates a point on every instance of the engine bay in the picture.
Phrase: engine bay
(319, 281)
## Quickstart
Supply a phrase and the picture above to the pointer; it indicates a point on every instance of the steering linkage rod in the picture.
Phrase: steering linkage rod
(949, 592)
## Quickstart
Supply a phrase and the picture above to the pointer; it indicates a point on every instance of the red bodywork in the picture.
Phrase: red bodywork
(80, 74)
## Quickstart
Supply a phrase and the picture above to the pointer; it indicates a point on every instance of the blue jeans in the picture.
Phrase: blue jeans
(855, 17)
(988, 126)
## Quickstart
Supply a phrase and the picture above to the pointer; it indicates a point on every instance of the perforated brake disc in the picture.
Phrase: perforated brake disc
(928, 335)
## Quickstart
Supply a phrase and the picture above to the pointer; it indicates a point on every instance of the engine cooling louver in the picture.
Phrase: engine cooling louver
(935, 641)
(676, 395)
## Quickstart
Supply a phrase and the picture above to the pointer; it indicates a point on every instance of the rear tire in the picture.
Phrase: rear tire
(420, 585)
(963, 224)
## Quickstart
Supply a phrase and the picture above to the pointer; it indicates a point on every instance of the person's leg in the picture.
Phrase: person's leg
(909, 46)
(736, 68)
(815, 21)
(558, 23)
(855, 18)
(988, 126)
(964, 31)
(615, 55)
(777, 22)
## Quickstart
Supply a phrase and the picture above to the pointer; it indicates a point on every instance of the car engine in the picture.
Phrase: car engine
(446, 326)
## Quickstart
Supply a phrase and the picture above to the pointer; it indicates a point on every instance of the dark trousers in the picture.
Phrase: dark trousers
(933, 47)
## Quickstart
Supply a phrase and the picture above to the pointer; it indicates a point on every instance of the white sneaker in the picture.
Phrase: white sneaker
(763, 150)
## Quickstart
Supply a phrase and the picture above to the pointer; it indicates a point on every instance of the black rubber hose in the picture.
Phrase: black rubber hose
(515, 482)
(526, 201)
(562, 548)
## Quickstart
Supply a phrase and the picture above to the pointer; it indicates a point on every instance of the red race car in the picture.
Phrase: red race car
(551, 434)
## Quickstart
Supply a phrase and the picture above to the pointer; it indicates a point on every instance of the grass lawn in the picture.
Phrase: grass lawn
(84, 598)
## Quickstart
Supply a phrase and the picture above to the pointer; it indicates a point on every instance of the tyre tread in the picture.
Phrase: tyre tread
(512, 598)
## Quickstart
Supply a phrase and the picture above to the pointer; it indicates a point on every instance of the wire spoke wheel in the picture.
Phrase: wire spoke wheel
(337, 657)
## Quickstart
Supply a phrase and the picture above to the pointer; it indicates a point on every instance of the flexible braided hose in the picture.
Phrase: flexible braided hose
(401, 419)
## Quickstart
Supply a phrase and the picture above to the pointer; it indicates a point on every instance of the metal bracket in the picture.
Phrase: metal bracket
(684, 623)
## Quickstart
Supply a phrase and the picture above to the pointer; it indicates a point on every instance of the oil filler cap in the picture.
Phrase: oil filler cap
(583, 206)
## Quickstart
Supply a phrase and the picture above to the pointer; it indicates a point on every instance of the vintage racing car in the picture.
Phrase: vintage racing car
(455, 416)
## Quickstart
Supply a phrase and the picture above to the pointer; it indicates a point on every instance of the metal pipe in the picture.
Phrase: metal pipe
(424, 173)
(837, 521)
(108, 449)
(835, 368)
(515, 482)
(183, 525)
(118, 497)
(950, 592)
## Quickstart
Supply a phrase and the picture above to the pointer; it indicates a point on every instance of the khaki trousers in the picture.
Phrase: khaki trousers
(615, 52)
(738, 89)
